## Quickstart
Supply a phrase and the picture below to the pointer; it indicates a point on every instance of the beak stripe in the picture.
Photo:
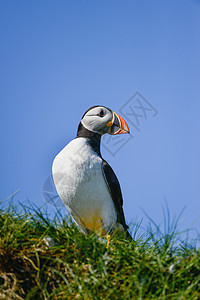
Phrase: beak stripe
(118, 125)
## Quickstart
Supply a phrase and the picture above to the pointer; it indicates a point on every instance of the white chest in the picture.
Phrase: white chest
(79, 180)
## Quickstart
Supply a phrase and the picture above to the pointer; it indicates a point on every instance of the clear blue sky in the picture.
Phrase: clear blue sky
(58, 58)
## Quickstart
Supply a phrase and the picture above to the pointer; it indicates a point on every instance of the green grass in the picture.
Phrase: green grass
(81, 267)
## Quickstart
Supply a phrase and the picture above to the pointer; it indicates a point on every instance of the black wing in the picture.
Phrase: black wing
(116, 194)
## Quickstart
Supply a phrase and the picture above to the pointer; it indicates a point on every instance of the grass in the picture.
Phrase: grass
(81, 267)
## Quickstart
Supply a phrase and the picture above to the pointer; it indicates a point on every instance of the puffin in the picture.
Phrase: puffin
(85, 182)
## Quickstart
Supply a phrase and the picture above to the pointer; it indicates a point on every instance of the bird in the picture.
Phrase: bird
(85, 182)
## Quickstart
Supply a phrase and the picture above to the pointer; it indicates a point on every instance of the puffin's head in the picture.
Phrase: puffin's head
(100, 119)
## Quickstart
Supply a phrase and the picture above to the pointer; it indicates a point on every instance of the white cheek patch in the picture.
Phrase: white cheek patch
(89, 125)
(95, 123)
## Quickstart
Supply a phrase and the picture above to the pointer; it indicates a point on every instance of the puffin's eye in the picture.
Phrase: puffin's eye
(101, 113)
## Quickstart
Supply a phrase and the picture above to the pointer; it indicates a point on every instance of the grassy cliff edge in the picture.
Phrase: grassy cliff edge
(43, 259)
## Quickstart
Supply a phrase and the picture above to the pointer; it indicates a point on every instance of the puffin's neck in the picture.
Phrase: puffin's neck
(93, 138)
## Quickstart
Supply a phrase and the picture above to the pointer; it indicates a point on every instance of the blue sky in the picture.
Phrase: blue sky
(58, 58)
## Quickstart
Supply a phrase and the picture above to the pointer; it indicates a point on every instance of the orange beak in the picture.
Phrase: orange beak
(118, 125)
